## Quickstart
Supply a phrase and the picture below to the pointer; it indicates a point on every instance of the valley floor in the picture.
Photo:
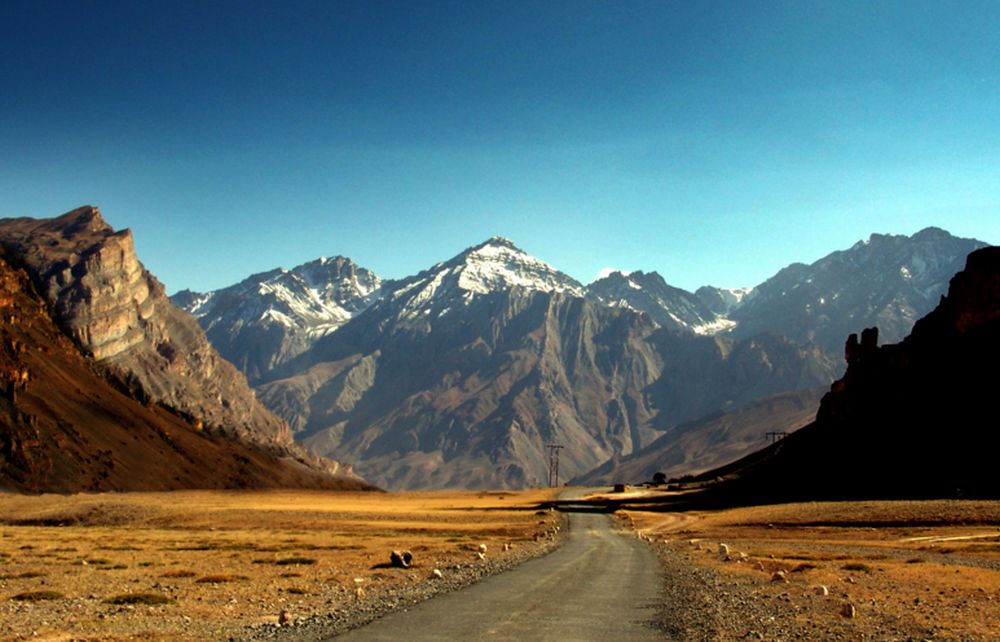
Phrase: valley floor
(204, 565)
(830, 571)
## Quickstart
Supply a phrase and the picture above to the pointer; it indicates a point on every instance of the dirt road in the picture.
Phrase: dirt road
(598, 586)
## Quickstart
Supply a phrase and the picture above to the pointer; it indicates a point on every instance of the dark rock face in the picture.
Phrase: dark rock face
(69, 424)
(270, 318)
(887, 281)
(912, 419)
(116, 311)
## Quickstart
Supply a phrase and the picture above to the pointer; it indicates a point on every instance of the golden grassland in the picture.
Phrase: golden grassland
(921, 564)
(202, 564)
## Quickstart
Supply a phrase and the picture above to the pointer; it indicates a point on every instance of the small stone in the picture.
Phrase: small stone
(480, 555)
(437, 574)
(359, 593)
(723, 550)
(822, 590)
(848, 611)
(482, 548)
(284, 618)
(779, 577)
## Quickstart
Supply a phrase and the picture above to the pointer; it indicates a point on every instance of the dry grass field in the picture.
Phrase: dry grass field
(927, 566)
(201, 565)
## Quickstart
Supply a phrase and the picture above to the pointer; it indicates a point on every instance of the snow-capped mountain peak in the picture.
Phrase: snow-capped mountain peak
(499, 264)
(496, 265)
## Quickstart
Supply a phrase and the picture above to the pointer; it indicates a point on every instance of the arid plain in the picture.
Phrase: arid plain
(842, 570)
(208, 565)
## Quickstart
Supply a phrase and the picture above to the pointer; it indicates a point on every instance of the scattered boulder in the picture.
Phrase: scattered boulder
(284, 618)
(482, 548)
(359, 593)
(779, 576)
(437, 574)
(822, 590)
(723, 550)
(480, 555)
(401, 559)
(848, 611)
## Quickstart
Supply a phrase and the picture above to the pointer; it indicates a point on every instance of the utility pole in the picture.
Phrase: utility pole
(553, 463)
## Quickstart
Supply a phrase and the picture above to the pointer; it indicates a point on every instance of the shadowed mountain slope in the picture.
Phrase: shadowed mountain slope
(912, 419)
(696, 446)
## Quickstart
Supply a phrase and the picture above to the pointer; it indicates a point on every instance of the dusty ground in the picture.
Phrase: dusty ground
(226, 560)
(909, 570)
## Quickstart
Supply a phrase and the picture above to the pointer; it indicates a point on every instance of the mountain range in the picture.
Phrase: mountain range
(463, 374)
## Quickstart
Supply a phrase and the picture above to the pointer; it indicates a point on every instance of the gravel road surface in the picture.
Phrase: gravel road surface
(598, 586)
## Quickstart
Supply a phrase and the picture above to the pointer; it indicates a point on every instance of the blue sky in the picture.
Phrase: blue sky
(713, 142)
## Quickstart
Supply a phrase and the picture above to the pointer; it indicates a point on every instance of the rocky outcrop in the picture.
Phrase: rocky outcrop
(116, 311)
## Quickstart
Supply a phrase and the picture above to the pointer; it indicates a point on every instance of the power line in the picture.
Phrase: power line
(553, 463)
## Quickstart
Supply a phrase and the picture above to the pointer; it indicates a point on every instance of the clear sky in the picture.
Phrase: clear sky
(713, 142)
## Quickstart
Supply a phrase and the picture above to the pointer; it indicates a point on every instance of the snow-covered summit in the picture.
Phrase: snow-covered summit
(496, 265)
(318, 296)
(499, 264)
(290, 308)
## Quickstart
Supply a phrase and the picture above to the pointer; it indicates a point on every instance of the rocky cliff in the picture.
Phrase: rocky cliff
(69, 424)
(116, 311)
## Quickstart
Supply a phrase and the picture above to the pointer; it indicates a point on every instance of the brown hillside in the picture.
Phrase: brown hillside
(65, 428)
